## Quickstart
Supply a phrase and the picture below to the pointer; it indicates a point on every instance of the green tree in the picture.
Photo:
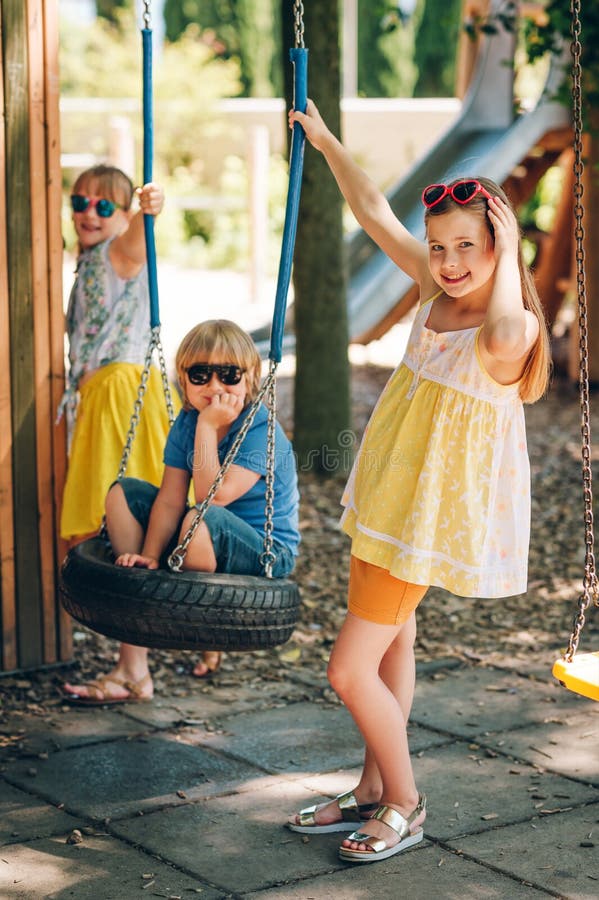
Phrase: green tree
(435, 48)
(234, 28)
(111, 10)
(385, 50)
(322, 410)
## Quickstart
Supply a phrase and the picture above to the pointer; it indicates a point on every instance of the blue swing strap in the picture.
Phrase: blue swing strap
(155, 336)
(299, 59)
(267, 392)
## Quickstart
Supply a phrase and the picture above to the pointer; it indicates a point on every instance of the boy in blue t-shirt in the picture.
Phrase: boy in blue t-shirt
(219, 369)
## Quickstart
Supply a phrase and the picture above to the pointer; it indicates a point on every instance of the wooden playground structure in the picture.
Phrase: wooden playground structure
(35, 631)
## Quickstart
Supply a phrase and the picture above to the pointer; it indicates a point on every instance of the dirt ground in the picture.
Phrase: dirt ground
(533, 627)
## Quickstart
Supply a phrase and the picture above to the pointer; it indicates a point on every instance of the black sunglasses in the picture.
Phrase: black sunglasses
(201, 373)
(105, 208)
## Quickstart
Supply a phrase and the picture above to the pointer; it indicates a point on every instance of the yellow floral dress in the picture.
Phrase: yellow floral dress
(440, 490)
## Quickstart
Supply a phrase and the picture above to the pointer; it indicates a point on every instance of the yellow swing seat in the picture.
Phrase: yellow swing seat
(580, 675)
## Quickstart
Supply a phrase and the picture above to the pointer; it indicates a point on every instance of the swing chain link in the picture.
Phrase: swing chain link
(147, 15)
(166, 388)
(268, 557)
(137, 406)
(298, 23)
(175, 560)
(590, 588)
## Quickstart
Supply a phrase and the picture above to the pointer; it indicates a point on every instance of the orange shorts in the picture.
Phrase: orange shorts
(377, 596)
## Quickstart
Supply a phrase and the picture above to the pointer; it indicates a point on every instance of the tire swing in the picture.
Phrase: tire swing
(196, 610)
(580, 672)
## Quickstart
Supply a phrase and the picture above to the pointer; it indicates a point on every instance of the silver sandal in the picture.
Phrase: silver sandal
(351, 815)
(379, 848)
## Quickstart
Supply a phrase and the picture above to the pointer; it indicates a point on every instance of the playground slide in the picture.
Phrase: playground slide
(487, 138)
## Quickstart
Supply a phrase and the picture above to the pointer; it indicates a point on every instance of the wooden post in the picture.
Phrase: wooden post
(34, 630)
(590, 198)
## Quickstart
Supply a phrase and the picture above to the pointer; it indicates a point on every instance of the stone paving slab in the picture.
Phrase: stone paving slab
(469, 792)
(470, 701)
(99, 868)
(65, 728)
(430, 873)
(203, 704)
(23, 817)
(546, 852)
(125, 777)
(238, 842)
(303, 737)
(463, 786)
(564, 744)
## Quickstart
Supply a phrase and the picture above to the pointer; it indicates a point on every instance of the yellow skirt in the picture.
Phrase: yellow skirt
(103, 418)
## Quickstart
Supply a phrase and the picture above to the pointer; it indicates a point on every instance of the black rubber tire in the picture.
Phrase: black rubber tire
(176, 610)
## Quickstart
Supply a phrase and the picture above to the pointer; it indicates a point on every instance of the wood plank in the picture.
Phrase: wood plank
(8, 645)
(27, 561)
(41, 324)
(56, 314)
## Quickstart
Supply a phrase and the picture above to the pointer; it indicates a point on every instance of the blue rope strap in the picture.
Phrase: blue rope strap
(299, 58)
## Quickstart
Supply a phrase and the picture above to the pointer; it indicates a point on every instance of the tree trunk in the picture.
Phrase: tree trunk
(322, 409)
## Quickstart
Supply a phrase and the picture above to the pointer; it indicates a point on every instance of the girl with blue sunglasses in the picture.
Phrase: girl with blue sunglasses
(108, 326)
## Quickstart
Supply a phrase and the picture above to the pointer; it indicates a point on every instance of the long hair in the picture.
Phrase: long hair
(225, 341)
(537, 368)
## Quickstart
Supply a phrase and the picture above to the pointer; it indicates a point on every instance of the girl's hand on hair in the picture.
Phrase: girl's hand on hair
(151, 199)
(505, 226)
(224, 408)
(312, 123)
(129, 560)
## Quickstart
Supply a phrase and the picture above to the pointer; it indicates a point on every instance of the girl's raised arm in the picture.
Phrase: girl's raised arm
(128, 250)
(367, 202)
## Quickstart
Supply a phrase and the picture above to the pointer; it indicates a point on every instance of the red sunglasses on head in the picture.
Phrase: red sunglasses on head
(462, 192)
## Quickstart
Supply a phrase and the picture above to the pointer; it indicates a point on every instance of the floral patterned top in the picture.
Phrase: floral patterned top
(440, 490)
(108, 319)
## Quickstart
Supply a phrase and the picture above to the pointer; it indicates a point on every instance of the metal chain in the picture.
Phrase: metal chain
(147, 15)
(137, 407)
(175, 560)
(268, 557)
(590, 591)
(298, 22)
(166, 388)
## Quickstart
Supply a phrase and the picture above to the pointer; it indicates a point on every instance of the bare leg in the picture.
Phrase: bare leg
(125, 533)
(371, 703)
(126, 536)
(397, 671)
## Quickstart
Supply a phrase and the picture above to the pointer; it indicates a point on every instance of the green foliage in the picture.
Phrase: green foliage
(545, 34)
(435, 48)
(385, 50)
(200, 224)
(111, 10)
(235, 29)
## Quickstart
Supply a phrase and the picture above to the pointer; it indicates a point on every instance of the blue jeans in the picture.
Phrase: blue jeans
(237, 546)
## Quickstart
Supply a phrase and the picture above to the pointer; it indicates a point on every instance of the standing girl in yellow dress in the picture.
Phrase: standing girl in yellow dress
(440, 490)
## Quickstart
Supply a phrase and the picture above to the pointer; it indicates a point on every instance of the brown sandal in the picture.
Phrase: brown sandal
(101, 693)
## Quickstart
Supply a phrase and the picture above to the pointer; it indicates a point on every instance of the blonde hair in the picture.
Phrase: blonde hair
(111, 182)
(229, 343)
(537, 368)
